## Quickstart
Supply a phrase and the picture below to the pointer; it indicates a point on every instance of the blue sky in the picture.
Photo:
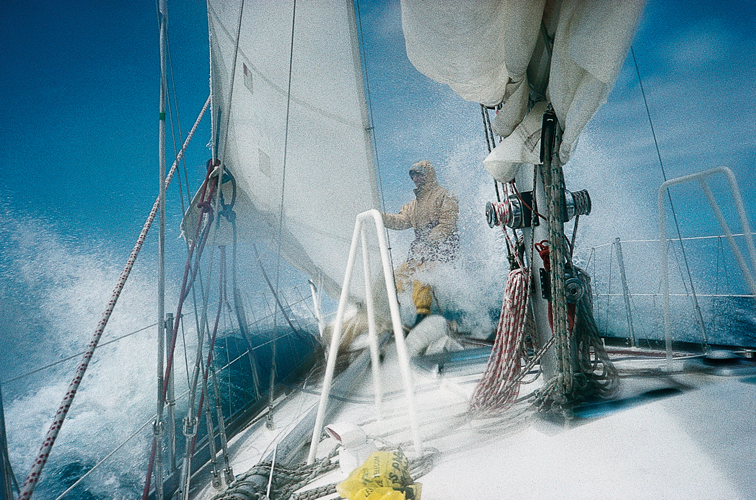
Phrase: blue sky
(80, 86)
(80, 82)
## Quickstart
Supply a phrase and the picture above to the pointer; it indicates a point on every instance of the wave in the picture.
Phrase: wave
(53, 293)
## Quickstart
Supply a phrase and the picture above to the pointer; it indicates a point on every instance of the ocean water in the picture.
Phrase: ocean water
(52, 295)
(727, 311)
(53, 291)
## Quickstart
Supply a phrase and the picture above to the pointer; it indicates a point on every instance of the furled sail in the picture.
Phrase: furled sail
(568, 52)
(293, 131)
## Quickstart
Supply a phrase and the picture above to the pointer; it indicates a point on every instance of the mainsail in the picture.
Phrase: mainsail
(568, 52)
(290, 124)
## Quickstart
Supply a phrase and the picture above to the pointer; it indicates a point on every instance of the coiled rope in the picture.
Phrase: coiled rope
(500, 383)
(582, 365)
(286, 479)
(596, 374)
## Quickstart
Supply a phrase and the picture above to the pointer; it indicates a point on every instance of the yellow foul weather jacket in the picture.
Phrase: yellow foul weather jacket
(433, 215)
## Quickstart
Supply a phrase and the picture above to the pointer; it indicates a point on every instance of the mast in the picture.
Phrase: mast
(158, 429)
(538, 72)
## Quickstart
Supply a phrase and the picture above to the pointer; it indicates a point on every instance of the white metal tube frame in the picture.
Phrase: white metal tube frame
(359, 235)
(749, 277)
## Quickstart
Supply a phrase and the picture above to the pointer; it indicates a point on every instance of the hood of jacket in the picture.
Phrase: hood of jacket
(426, 168)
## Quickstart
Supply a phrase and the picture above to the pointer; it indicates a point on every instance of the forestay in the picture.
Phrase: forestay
(294, 129)
(492, 51)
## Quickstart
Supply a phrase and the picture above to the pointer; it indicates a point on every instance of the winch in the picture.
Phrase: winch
(516, 211)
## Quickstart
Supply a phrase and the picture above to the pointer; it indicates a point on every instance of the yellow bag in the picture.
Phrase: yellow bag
(383, 476)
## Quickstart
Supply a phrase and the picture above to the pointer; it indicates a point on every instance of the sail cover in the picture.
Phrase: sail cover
(293, 131)
(568, 52)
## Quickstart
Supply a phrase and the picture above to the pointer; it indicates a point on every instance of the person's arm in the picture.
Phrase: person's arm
(402, 220)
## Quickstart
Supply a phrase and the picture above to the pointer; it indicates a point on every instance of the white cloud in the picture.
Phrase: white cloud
(703, 43)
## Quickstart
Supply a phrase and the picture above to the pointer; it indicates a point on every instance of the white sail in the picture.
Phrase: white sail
(492, 52)
(294, 129)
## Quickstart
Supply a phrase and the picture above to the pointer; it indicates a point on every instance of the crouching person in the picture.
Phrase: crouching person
(433, 216)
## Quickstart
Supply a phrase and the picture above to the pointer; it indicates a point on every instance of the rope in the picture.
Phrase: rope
(52, 434)
(554, 190)
(500, 383)
(582, 365)
(596, 374)
(322, 491)
(286, 480)
(553, 181)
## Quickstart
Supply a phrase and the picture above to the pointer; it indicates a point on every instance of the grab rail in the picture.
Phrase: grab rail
(359, 234)
(749, 277)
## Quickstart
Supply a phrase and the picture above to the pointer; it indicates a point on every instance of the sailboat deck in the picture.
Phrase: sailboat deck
(629, 447)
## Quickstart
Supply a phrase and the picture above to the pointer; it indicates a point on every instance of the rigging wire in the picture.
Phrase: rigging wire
(490, 141)
(104, 459)
(158, 428)
(173, 132)
(171, 430)
(671, 205)
(276, 293)
(150, 419)
(222, 153)
(371, 125)
(198, 243)
(52, 434)
(273, 365)
(68, 358)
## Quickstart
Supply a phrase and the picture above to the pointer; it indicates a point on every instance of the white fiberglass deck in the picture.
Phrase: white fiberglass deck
(695, 440)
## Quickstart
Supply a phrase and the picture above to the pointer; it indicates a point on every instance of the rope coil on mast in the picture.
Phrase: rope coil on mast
(582, 365)
(579, 350)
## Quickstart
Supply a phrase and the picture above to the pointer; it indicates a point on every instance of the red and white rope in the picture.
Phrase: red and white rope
(500, 384)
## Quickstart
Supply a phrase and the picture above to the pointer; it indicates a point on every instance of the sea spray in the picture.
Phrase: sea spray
(58, 290)
(54, 292)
